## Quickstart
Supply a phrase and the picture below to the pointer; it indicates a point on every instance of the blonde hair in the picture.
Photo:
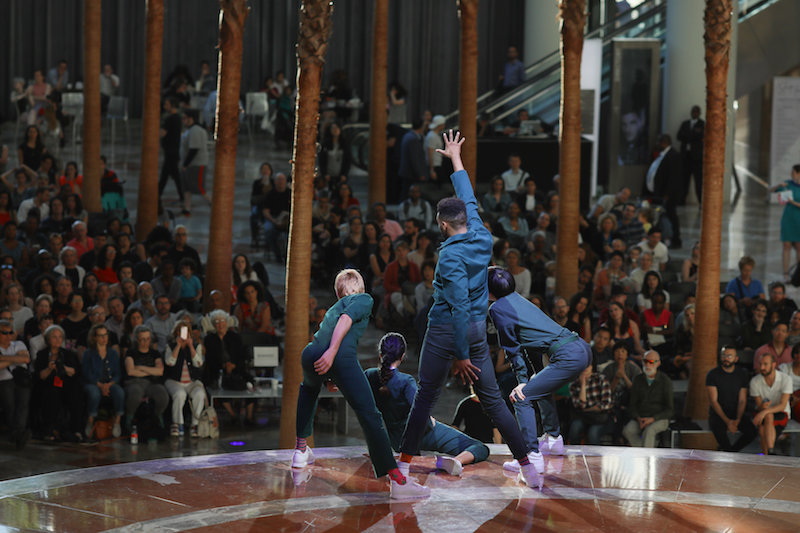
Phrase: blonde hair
(348, 282)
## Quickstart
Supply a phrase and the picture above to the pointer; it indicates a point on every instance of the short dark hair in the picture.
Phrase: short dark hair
(501, 282)
(777, 285)
(453, 211)
(192, 114)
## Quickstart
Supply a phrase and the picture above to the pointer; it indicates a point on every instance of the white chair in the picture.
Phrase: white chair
(256, 106)
(117, 110)
(72, 105)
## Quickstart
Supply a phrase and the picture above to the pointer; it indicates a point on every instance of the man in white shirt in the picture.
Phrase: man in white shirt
(771, 390)
(654, 245)
(39, 201)
(514, 177)
(109, 83)
(14, 398)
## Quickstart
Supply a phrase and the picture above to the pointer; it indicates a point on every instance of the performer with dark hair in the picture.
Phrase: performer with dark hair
(456, 331)
(523, 327)
(394, 394)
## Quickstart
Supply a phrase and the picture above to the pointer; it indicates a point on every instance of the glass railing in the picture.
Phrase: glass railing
(539, 76)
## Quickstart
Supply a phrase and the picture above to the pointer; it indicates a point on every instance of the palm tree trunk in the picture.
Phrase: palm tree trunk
(91, 106)
(704, 347)
(573, 18)
(468, 84)
(377, 114)
(147, 205)
(233, 14)
(312, 42)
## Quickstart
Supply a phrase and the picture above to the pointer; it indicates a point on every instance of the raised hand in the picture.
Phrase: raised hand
(452, 145)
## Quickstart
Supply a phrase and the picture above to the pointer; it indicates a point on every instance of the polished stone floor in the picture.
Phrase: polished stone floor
(175, 485)
(588, 489)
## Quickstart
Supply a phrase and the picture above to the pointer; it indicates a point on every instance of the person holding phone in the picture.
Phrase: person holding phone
(184, 367)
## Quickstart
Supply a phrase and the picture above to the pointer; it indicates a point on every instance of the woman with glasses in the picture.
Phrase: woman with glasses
(58, 372)
(102, 375)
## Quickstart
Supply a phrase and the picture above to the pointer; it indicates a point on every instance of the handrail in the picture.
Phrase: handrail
(551, 61)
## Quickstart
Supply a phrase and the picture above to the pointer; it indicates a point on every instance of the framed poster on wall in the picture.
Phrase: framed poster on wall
(635, 101)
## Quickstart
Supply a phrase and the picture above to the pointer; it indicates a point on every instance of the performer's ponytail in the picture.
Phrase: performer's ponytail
(391, 349)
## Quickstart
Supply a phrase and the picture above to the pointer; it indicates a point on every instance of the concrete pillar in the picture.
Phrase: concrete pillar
(684, 67)
(541, 30)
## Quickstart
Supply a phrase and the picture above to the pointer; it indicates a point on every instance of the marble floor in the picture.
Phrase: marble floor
(588, 489)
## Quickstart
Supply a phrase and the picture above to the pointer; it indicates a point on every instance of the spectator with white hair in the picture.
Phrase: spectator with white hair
(81, 241)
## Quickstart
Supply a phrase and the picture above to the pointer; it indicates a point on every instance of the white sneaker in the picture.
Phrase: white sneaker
(550, 445)
(410, 490)
(116, 431)
(535, 458)
(451, 465)
(530, 476)
(302, 459)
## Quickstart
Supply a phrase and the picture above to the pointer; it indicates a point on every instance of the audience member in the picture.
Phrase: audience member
(59, 389)
(756, 331)
(651, 404)
(591, 407)
(184, 361)
(744, 287)
(159, 326)
(727, 387)
(780, 351)
(770, 390)
(102, 375)
(654, 245)
(15, 389)
(144, 368)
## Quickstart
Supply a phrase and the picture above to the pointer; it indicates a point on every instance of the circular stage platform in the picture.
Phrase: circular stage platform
(589, 489)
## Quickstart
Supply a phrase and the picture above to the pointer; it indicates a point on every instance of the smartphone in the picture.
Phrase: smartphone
(184, 333)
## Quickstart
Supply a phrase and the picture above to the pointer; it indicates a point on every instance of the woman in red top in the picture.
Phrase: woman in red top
(6, 213)
(252, 311)
(346, 198)
(657, 322)
(104, 270)
(71, 178)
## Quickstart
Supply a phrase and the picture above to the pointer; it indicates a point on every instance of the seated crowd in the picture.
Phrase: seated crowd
(93, 322)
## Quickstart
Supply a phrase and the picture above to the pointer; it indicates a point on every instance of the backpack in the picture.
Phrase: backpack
(208, 424)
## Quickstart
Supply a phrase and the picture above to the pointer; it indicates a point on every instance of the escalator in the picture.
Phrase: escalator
(540, 93)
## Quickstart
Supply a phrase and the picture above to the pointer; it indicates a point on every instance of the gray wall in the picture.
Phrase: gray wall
(423, 42)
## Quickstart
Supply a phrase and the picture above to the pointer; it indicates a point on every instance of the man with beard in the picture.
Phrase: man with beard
(651, 403)
(727, 395)
(771, 390)
(456, 333)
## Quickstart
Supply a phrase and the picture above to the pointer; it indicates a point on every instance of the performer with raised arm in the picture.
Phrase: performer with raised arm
(332, 354)
(456, 333)
(523, 326)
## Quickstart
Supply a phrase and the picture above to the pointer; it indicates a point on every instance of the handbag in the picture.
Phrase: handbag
(22, 377)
